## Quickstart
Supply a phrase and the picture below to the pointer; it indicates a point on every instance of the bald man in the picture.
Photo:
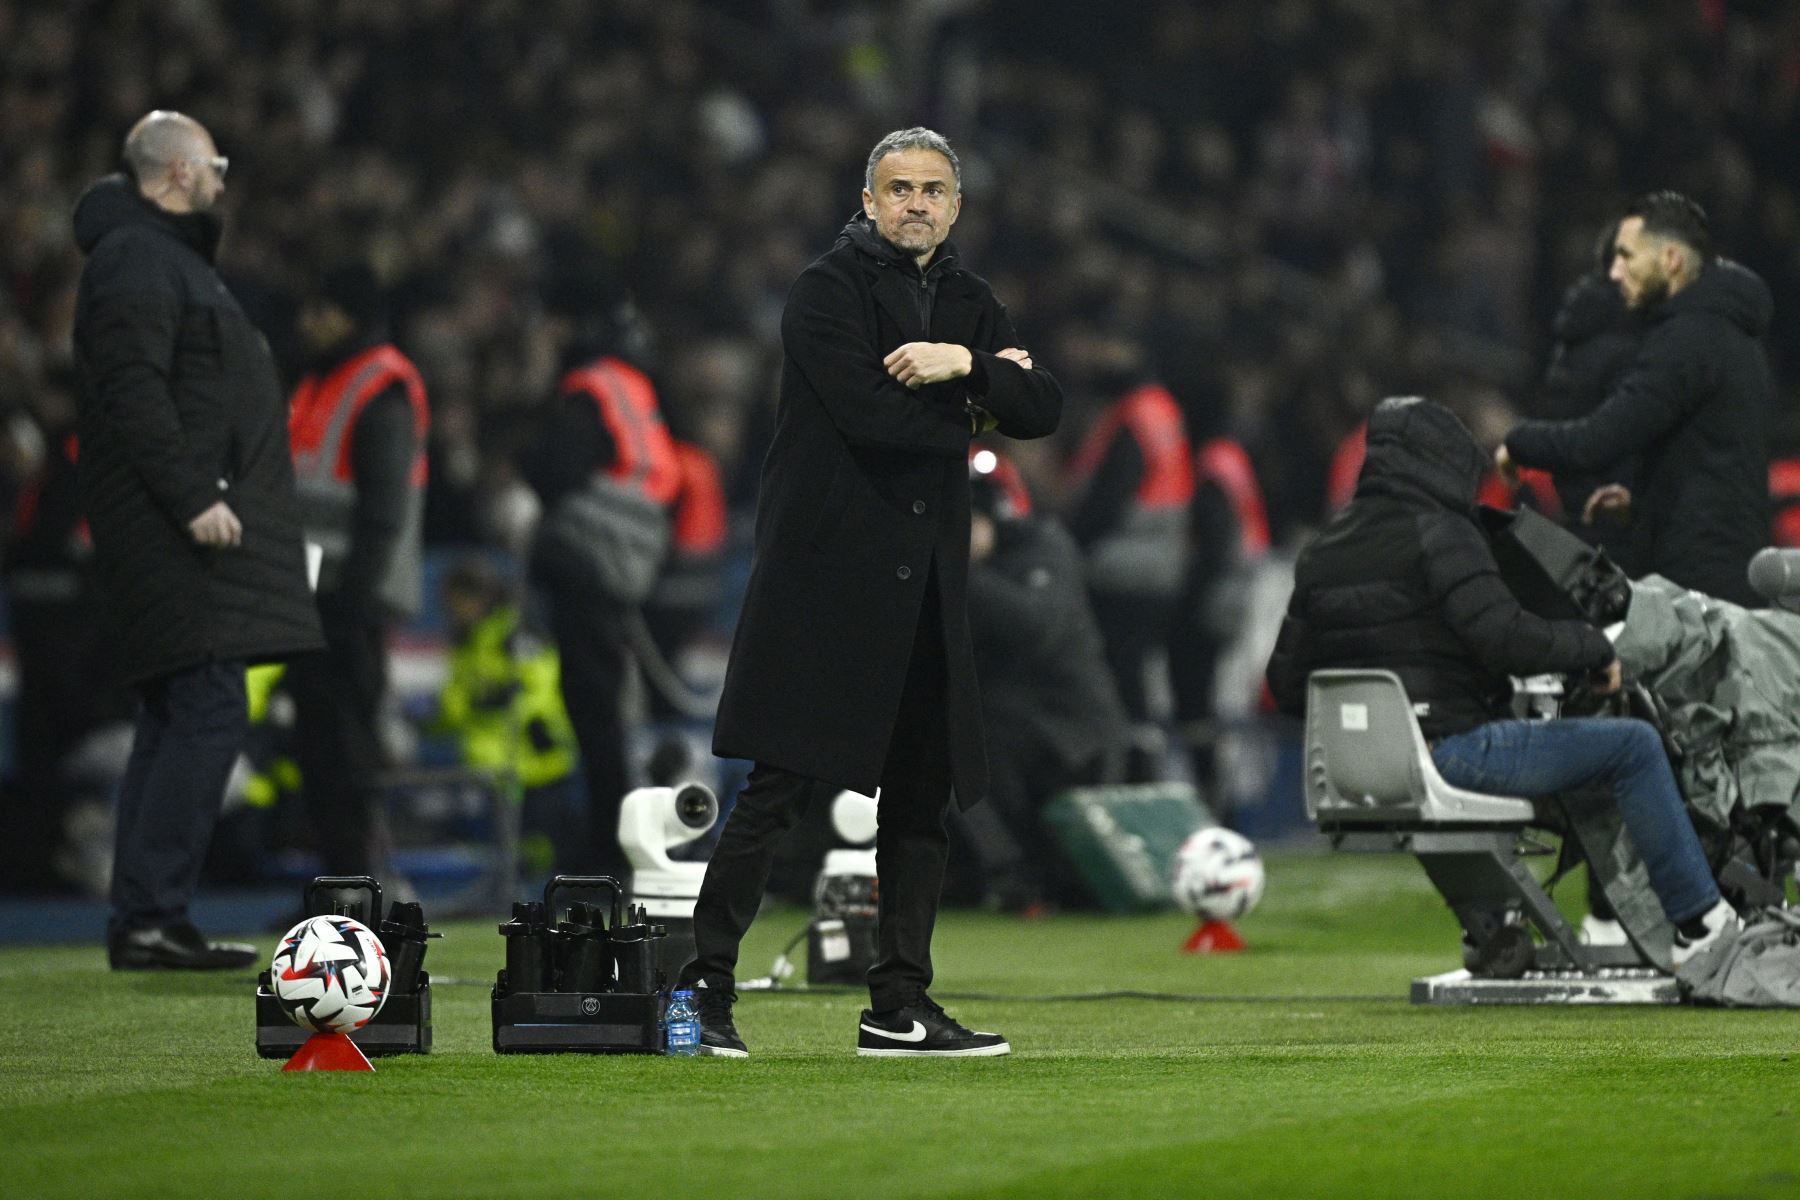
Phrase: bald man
(189, 494)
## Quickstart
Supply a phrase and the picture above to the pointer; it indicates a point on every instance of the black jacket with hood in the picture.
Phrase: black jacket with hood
(1695, 404)
(1403, 579)
(180, 408)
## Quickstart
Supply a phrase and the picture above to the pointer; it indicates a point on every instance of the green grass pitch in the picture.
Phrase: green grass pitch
(1297, 1069)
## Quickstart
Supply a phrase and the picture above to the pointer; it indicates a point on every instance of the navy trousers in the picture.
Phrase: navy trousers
(190, 727)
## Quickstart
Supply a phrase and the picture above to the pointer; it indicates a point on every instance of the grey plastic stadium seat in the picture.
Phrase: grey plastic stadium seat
(1367, 763)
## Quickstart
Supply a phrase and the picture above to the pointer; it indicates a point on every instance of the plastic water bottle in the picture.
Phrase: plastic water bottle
(681, 1025)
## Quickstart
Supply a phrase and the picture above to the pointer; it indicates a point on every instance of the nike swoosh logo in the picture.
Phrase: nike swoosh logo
(915, 1034)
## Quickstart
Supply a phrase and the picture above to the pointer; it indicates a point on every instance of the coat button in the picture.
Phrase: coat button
(918, 506)
(904, 573)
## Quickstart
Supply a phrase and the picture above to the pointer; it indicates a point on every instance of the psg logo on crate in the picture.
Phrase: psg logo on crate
(330, 974)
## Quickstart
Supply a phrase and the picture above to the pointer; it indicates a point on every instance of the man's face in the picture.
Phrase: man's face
(915, 200)
(1639, 266)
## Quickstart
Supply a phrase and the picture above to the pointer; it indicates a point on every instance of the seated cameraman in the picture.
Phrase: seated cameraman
(1403, 579)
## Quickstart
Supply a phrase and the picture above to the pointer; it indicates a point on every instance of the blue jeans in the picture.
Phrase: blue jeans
(1534, 759)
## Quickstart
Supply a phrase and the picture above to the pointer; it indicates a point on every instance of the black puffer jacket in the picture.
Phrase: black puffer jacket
(1403, 579)
(1695, 404)
(180, 407)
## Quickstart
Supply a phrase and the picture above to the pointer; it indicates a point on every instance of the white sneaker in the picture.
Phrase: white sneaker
(1598, 931)
(1717, 919)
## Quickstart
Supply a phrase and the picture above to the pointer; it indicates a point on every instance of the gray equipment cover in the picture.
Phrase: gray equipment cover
(1757, 966)
(1731, 679)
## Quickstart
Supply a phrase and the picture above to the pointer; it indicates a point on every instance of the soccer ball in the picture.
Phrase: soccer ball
(1218, 874)
(330, 974)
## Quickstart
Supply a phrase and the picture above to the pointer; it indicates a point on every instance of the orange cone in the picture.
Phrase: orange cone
(1213, 937)
(329, 1052)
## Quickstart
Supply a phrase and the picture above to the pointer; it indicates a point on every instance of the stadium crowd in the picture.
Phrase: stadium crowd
(1285, 211)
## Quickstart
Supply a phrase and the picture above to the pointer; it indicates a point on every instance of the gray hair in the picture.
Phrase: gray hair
(916, 138)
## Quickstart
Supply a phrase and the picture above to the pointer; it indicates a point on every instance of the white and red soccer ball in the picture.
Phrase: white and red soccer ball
(1218, 874)
(330, 974)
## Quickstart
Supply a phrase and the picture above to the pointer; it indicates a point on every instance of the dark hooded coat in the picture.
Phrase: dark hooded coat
(1402, 579)
(1695, 405)
(180, 408)
(864, 502)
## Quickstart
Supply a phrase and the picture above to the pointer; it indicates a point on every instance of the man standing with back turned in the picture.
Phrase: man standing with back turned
(1694, 403)
(852, 665)
(190, 496)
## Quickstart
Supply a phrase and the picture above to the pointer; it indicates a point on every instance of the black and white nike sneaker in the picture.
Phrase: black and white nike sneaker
(923, 1030)
(718, 1035)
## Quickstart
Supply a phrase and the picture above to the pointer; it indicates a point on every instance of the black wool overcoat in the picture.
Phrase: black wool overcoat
(180, 408)
(864, 501)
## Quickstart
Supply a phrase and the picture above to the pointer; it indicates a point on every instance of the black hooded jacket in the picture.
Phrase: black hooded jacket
(1403, 579)
(180, 408)
(1695, 404)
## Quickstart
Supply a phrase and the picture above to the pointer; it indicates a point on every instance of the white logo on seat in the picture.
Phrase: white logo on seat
(1354, 717)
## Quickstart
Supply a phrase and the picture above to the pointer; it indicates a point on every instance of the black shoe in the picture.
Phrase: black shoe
(923, 1030)
(718, 1036)
(175, 948)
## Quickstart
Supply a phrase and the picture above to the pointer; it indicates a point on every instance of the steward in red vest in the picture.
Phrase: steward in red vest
(357, 423)
(605, 420)
(1133, 479)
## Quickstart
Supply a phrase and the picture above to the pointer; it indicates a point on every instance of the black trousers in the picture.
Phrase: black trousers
(594, 662)
(190, 726)
(910, 847)
(337, 705)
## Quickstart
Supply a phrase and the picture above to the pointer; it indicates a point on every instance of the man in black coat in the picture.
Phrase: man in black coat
(1694, 403)
(852, 665)
(190, 497)
(1403, 579)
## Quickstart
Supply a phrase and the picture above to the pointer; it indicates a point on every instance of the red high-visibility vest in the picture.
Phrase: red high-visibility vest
(323, 412)
(1225, 464)
(627, 405)
(700, 503)
(1152, 417)
(1784, 492)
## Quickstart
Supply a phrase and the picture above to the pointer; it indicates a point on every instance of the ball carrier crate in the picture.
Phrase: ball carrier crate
(403, 1026)
(577, 982)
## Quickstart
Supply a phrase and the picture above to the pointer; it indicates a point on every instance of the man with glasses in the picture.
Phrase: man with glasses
(189, 493)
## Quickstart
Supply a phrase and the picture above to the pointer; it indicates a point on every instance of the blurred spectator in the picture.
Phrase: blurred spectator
(1048, 702)
(503, 702)
(1133, 480)
(357, 423)
(605, 432)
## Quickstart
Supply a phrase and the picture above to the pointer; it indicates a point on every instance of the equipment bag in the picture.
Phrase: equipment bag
(1756, 966)
(606, 537)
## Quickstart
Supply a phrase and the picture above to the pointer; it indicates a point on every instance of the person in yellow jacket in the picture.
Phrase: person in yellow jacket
(503, 701)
